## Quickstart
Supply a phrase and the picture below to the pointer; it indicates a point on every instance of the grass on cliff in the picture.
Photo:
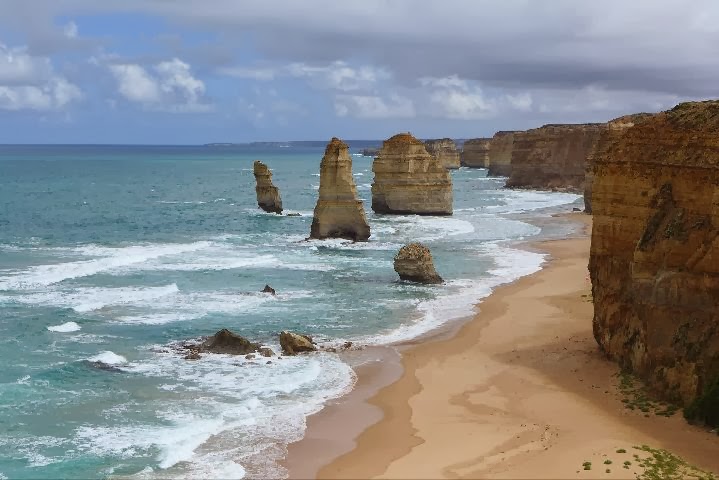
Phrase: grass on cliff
(705, 408)
(636, 397)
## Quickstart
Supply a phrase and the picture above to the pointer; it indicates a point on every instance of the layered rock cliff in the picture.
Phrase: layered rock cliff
(475, 153)
(408, 180)
(445, 151)
(552, 156)
(608, 134)
(268, 196)
(499, 163)
(338, 213)
(654, 260)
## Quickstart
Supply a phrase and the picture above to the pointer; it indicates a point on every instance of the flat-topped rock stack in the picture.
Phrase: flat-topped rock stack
(654, 261)
(408, 180)
(552, 156)
(475, 153)
(499, 161)
(268, 196)
(445, 151)
(338, 213)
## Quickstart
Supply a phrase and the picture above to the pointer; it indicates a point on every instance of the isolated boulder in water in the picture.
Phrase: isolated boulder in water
(268, 196)
(293, 343)
(229, 343)
(266, 352)
(414, 263)
(268, 289)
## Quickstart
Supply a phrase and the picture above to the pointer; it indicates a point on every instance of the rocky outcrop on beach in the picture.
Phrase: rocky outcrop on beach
(608, 134)
(499, 161)
(408, 180)
(475, 153)
(552, 156)
(445, 151)
(654, 261)
(268, 196)
(294, 343)
(338, 213)
(414, 263)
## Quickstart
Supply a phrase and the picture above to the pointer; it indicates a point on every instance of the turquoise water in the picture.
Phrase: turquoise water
(113, 253)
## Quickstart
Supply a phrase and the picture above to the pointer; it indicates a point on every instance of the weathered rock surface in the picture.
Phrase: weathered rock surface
(608, 134)
(414, 263)
(268, 196)
(408, 180)
(654, 260)
(475, 153)
(552, 156)
(369, 152)
(269, 290)
(294, 343)
(499, 161)
(445, 151)
(338, 213)
(229, 343)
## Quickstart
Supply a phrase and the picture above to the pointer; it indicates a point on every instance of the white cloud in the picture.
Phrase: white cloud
(172, 88)
(372, 106)
(70, 30)
(258, 73)
(453, 97)
(30, 83)
(521, 101)
(339, 75)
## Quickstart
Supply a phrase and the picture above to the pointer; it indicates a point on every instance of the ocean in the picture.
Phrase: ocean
(114, 253)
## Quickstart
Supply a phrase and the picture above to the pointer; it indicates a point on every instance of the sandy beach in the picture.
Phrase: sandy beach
(520, 391)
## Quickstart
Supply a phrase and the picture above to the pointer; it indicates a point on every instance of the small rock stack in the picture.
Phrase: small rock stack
(414, 263)
(268, 196)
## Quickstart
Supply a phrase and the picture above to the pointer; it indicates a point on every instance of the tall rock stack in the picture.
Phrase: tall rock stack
(654, 260)
(408, 180)
(608, 135)
(268, 196)
(552, 156)
(445, 151)
(475, 153)
(499, 161)
(339, 213)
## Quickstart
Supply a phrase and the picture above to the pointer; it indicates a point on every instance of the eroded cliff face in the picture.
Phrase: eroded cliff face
(408, 180)
(552, 156)
(609, 133)
(654, 260)
(475, 153)
(445, 151)
(338, 213)
(268, 196)
(499, 163)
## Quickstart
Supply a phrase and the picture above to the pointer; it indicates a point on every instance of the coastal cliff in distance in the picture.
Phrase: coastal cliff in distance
(500, 154)
(552, 156)
(408, 180)
(475, 153)
(338, 213)
(445, 151)
(654, 260)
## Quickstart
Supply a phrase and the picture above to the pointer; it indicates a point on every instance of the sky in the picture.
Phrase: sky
(190, 72)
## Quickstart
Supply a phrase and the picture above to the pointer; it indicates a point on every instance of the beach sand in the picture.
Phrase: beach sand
(520, 391)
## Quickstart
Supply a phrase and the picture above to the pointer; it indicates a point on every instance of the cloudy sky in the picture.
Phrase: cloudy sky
(182, 71)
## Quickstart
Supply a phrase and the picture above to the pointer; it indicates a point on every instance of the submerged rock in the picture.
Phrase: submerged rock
(228, 343)
(268, 289)
(339, 213)
(408, 180)
(294, 343)
(414, 263)
(268, 196)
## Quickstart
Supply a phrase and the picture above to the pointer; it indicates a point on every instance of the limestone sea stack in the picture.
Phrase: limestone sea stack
(414, 263)
(268, 196)
(408, 180)
(499, 161)
(445, 151)
(475, 153)
(338, 213)
(654, 261)
(552, 156)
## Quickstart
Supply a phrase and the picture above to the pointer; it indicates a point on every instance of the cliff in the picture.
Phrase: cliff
(268, 196)
(408, 180)
(654, 260)
(500, 154)
(475, 153)
(445, 151)
(552, 156)
(608, 134)
(338, 213)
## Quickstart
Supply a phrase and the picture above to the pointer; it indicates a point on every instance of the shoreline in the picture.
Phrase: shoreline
(484, 397)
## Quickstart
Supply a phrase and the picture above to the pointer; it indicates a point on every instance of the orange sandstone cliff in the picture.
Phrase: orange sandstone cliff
(445, 151)
(475, 153)
(499, 160)
(654, 261)
(552, 156)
